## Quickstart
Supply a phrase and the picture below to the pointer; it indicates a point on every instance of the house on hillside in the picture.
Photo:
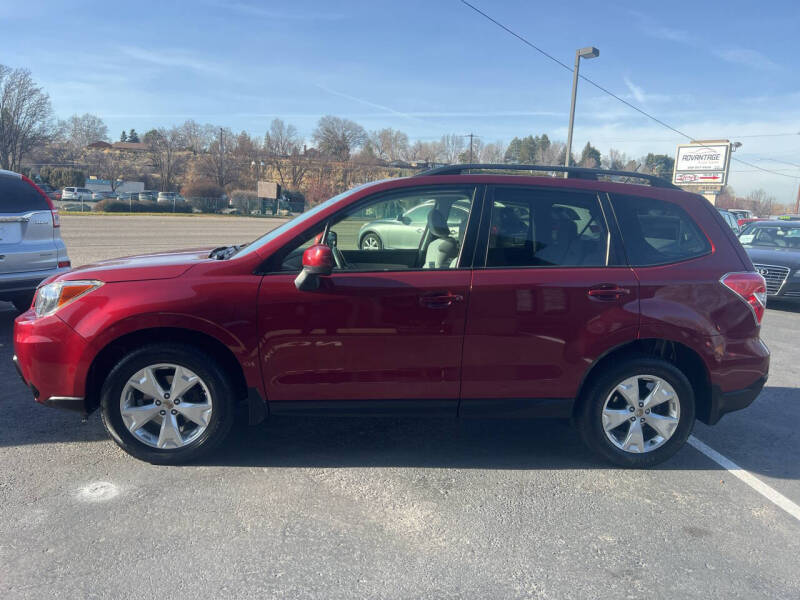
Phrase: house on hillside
(130, 146)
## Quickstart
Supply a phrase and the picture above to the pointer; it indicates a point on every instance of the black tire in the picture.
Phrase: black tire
(589, 414)
(372, 236)
(23, 302)
(205, 367)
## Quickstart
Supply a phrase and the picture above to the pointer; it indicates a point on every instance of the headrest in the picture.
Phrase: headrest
(437, 224)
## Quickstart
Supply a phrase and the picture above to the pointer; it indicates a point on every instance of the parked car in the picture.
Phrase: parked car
(53, 194)
(76, 193)
(403, 231)
(170, 198)
(743, 216)
(631, 309)
(148, 196)
(774, 248)
(731, 220)
(103, 195)
(31, 248)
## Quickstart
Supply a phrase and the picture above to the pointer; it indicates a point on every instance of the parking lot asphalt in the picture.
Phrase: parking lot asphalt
(390, 508)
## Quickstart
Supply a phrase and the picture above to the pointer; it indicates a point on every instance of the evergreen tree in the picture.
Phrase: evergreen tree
(133, 136)
(123, 136)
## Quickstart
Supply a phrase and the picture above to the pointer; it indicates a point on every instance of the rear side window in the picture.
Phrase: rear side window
(18, 196)
(533, 227)
(656, 232)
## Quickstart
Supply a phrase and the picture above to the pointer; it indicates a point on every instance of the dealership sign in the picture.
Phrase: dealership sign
(702, 163)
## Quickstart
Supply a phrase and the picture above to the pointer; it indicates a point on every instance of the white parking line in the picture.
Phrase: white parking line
(762, 488)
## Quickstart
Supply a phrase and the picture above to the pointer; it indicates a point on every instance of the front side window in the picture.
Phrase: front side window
(546, 228)
(656, 232)
(420, 228)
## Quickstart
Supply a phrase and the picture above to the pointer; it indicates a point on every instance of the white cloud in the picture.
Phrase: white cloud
(637, 92)
(171, 58)
(254, 10)
(748, 58)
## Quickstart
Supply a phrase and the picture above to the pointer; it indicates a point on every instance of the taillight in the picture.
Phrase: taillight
(63, 264)
(750, 287)
(56, 218)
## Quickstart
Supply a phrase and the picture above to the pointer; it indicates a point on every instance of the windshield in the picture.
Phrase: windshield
(773, 236)
(298, 220)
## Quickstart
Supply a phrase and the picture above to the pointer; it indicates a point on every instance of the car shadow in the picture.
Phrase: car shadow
(783, 305)
(318, 442)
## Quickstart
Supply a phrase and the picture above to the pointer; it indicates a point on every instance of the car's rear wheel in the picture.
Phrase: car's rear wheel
(637, 413)
(167, 404)
(371, 241)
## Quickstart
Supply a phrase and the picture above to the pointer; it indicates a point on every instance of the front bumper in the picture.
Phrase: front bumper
(50, 357)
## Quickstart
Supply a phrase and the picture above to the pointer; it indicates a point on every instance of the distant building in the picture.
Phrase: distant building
(104, 185)
(129, 146)
(99, 145)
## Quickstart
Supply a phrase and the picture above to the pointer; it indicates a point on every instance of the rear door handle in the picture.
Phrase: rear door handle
(440, 300)
(607, 292)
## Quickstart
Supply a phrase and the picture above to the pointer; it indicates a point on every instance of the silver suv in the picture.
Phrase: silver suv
(76, 193)
(31, 248)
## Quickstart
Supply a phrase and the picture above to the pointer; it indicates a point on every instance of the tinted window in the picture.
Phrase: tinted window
(16, 196)
(657, 232)
(545, 228)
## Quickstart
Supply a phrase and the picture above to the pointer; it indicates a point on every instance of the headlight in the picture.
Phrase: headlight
(51, 297)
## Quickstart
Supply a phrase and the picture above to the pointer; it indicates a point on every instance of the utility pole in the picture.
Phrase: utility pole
(221, 173)
(797, 202)
(470, 148)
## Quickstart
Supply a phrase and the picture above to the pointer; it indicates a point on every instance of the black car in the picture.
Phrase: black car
(774, 248)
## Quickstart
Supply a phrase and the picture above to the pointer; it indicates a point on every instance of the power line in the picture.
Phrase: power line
(604, 90)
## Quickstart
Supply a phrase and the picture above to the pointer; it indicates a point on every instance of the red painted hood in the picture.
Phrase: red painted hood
(162, 265)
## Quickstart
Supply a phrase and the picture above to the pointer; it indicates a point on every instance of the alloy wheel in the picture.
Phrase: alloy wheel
(641, 413)
(166, 406)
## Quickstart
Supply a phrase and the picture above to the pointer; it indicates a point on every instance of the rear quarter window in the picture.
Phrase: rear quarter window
(18, 196)
(656, 232)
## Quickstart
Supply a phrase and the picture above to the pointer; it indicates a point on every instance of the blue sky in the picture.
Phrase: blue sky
(712, 69)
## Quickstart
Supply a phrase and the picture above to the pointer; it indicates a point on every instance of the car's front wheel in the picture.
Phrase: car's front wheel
(167, 404)
(637, 413)
(371, 241)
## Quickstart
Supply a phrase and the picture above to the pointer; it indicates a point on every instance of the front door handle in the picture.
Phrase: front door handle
(607, 292)
(440, 300)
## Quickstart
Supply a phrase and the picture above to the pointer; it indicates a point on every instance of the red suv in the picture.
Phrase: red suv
(631, 309)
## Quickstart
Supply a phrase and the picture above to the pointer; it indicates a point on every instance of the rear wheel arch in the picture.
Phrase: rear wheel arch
(687, 360)
(114, 351)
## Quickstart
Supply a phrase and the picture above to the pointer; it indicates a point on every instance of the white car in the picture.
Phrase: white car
(170, 197)
(76, 193)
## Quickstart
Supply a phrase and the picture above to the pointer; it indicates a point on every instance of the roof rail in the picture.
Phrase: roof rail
(572, 172)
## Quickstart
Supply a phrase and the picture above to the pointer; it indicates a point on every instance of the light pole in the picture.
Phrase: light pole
(588, 52)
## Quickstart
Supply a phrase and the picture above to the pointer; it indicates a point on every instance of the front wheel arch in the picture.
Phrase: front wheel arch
(113, 352)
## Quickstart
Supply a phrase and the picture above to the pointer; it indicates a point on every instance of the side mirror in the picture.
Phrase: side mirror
(317, 262)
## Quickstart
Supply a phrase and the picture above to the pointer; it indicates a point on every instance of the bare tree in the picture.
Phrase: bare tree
(219, 164)
(452, 145)
(25, 116)
(282, 148)
(196, 137)
(81, 130)
(493, 153)
(112, 165)
(164, 147)
(389, 144)
(614, 160)
(337, 137)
